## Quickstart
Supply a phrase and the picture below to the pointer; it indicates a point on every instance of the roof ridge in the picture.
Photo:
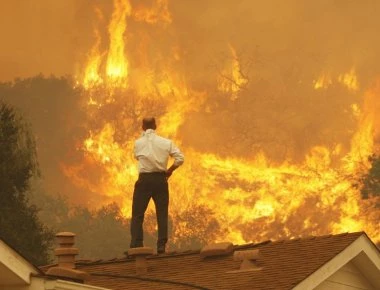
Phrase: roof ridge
(312, 237)
(166, 255)
(197, 251)
(289, 260)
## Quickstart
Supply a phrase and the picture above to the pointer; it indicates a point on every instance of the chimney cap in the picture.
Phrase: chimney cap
(217, 249)
(249, 260)
(140, 255)
(140, 251)
(65, 234)
(246, 255)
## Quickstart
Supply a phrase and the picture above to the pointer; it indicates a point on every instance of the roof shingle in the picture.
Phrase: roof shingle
(284, 265)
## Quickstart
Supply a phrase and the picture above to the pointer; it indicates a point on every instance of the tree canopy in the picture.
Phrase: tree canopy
(19, 223)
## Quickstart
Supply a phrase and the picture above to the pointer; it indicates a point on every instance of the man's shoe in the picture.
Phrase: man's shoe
(161, 249)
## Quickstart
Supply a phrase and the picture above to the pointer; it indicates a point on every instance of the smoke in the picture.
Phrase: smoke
(283, 49)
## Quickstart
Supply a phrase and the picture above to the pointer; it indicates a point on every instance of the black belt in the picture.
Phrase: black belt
(153, 173)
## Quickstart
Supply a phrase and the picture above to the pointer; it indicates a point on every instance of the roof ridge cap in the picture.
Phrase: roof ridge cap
(294, 239)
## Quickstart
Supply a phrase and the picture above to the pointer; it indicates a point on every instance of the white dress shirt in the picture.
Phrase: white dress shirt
(153, 151)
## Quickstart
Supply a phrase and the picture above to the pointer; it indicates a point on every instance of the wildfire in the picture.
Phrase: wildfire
(158, 12)
(117, 64)
(92, 75)
(231, 79)
(239, 200)
(348, 80)
(323, 82)
(116, 71)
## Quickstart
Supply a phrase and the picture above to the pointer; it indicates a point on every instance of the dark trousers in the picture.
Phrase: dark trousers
(150, 185)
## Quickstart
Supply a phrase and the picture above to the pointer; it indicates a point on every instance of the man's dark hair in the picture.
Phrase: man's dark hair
(149, 123)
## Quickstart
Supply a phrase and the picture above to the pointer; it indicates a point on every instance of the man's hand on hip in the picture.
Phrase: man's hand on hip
(169, 173)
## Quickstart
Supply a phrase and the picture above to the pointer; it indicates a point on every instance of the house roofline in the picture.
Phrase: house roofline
(39, 271)
(14, 262)
(362, 244)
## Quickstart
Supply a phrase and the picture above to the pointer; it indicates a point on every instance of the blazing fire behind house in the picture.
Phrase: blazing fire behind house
(253, 192)
(274, 109)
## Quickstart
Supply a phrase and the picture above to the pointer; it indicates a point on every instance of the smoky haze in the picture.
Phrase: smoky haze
(53, 37)
(283, 47)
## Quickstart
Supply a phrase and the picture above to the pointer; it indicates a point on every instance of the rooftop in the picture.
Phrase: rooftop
(280, 265)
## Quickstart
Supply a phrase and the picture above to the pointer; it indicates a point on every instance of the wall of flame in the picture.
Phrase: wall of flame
(250, 196)
(275, 110)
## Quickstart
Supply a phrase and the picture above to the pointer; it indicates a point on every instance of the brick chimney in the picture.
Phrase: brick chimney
(65, 254)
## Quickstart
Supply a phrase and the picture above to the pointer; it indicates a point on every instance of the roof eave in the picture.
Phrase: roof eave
(366, 254)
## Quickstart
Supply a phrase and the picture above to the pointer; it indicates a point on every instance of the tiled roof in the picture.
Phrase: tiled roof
(284, 265)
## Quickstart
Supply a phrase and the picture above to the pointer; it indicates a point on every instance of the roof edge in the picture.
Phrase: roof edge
(362, 244)
(16, 263)
(67, 285)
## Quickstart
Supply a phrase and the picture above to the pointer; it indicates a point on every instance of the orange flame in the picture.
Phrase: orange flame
(239, 200)
(232, 80)
(158, 12)
(117, 64)
(91, 75)
(323, 81)
(348, 80)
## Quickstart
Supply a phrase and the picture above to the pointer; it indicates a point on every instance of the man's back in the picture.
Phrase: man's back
(153, 151)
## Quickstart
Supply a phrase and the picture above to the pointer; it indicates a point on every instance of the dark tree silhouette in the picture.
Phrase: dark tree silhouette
(19, 224)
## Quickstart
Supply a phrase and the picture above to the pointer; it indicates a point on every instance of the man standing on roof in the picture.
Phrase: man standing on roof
(152, 153)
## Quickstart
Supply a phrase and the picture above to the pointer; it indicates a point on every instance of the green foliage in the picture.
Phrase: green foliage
(53, 107)
(19, 223)
(100, 234)
(194, 227)
(371, 180)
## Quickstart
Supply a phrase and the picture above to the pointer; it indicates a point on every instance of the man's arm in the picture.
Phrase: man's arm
(135, 151)
(178, 159)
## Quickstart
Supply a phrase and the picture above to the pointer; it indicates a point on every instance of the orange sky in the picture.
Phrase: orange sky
(38, 37)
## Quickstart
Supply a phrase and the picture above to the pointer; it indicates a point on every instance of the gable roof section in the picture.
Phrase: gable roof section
(14, 268)
(282, 264)
(362, 252)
